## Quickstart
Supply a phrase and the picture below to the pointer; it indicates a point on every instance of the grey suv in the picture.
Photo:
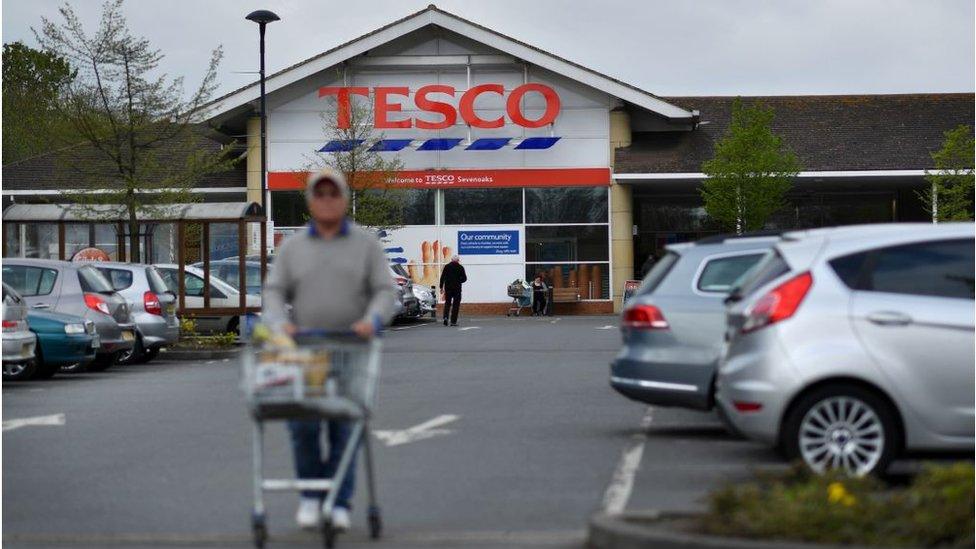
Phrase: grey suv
(855, 344)
(672, 328)
(152, 304)
(77, 289)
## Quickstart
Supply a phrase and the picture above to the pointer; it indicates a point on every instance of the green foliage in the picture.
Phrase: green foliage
(376, 203)
(935, 510)
(951, 183)
(138, 139)
(188, 327)
(32, 85)
(750, 173)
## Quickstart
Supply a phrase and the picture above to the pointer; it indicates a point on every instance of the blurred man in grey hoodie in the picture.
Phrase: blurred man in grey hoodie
(335, 276)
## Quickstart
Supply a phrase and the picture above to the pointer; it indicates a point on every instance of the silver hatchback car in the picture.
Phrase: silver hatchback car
(77, 289)
(855, 344)
(152, 304)
(672, 328)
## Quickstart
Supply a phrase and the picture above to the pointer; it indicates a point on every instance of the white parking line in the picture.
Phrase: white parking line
(618, 492)
(607, 327)
(466, 328)
(36, 421)
(397, 329)
(423, 431)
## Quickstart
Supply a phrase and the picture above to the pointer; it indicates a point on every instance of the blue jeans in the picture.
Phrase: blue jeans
(307, 449)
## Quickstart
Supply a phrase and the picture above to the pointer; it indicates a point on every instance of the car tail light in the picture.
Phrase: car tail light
(97, 303)
(12, 325)
(779, 304)
(151, 303)
(644, 317)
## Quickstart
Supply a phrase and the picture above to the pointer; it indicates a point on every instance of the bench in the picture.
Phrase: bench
(565, 295)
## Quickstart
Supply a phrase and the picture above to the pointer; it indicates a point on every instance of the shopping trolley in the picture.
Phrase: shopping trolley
(521, 297)
(326, 376)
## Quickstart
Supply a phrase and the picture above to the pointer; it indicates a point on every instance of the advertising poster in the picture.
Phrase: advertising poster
(492, 256)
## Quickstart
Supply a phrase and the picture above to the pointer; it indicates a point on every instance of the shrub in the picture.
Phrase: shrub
(935, 510)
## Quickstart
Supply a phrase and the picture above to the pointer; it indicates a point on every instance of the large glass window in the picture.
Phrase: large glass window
(591, 280)
(482, 206)
(107, 239)
(42, 240)
(11, 240)
(566, 205)
(416, 205)
(77, 236)
(568, 243)
(288, 208)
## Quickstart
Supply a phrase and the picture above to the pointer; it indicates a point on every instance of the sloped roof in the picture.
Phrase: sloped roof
(78, 166)
(432, 15)
(827, 132)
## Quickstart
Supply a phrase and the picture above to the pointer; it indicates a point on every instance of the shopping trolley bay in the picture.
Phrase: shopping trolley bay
(501, 432)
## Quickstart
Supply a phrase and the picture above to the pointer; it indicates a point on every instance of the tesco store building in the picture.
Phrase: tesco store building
(506, 152)
(508, 156)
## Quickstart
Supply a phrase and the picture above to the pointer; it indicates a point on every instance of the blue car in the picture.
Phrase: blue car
(62, 341)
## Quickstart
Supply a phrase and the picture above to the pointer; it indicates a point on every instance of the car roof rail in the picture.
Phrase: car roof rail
(720, 238)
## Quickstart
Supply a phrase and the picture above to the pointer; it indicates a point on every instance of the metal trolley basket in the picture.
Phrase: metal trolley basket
(521, 297)
(328, 375)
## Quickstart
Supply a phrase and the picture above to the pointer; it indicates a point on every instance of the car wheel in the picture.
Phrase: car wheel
(150, 354)
(103, 362)
(19, 371)
(133, 355)
(44, 370)
(75, 368)
(842, 427)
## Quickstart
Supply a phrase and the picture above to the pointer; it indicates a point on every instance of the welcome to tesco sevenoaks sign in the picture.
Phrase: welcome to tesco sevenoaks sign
(382, 106)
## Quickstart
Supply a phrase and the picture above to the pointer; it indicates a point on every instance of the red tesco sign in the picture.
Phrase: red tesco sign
(382, 106)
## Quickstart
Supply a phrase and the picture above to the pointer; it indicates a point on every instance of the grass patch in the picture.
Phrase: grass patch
(935, 510)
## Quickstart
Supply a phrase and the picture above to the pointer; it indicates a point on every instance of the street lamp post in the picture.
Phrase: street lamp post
(262, 18)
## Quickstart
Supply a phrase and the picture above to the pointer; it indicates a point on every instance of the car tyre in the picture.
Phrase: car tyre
(20, 371)
(44, 370)
(842, 426)
(149, 354)
(133, 355)
(103, 362)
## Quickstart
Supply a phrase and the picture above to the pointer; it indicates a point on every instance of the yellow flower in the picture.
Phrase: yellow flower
(848, 501)
(836, 493)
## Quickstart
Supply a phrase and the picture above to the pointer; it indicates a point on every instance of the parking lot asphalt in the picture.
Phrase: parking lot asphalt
(500, 433)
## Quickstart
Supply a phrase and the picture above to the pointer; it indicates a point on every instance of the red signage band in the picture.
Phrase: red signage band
(466, 179)
(382, 106)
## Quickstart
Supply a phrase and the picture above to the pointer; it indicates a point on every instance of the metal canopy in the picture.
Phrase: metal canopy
(106, 213)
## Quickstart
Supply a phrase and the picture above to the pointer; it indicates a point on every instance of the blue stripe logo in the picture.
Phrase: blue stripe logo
(443, 144)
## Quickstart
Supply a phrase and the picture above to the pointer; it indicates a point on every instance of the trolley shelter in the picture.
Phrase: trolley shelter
(168, 233)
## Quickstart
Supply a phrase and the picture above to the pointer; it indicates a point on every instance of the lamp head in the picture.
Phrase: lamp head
(262, 17)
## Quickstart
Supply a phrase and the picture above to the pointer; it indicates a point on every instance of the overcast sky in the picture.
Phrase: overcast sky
(668, 47)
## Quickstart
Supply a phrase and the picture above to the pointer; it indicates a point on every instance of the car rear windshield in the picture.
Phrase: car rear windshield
(720, 274)
(93, 281)
(156, 282)
(657, 273)
(119, 278)
(770, 268)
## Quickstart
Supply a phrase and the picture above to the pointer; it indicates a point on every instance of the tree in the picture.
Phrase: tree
(750, 173)
(133, 125)
(376, 202)
(32, 82)
(950, 193)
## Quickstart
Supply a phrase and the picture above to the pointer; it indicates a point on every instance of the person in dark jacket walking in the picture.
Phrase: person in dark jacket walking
(451, 279)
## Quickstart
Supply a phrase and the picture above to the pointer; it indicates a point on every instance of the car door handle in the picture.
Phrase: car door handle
(889, 318)
(41, 306)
